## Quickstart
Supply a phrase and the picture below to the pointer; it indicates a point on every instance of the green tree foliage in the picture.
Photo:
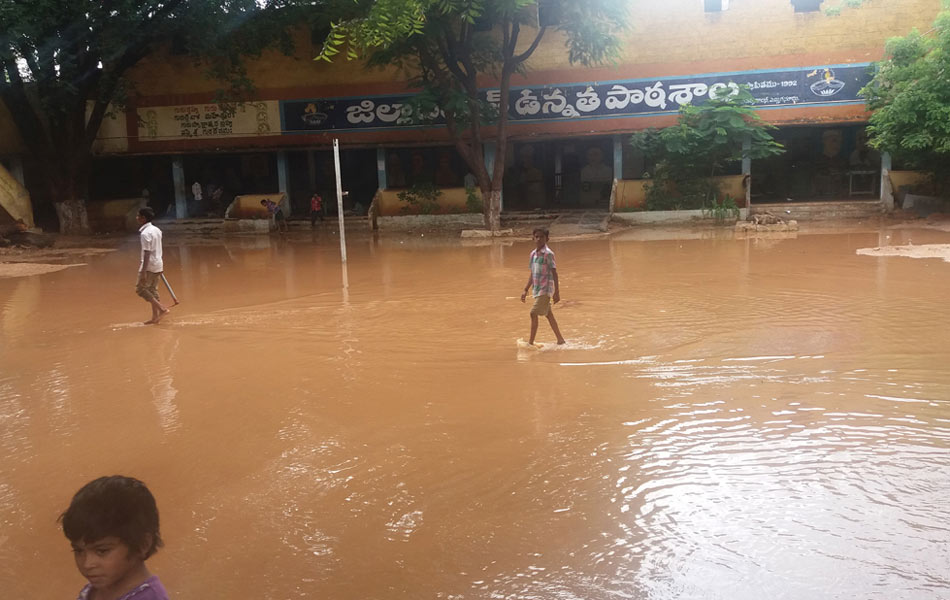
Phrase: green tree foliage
(910, 97)
(706, 139)
(63, 65)
(448, 48)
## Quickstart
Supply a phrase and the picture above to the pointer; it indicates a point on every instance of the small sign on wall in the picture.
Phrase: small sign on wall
(208, 121)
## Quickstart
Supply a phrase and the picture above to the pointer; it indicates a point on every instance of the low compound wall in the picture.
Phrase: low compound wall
(631, 195)
(451, 201)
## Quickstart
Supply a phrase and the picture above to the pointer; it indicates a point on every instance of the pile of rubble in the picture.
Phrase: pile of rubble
(19, 236)
(766, 222)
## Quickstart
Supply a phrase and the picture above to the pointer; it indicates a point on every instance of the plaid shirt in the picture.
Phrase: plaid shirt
(542, 272)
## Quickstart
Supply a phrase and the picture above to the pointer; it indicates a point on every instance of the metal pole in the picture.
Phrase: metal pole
(339, 201)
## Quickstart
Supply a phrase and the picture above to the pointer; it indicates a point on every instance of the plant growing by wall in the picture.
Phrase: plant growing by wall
(910, 97)
(705, 141)
(473, 202)
(722, 210)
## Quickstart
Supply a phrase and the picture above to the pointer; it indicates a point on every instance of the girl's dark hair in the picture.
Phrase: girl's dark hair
(147, 213)
(114, 506)
(542, 231)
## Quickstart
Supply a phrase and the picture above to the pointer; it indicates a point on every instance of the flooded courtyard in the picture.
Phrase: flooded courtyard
(731, 418)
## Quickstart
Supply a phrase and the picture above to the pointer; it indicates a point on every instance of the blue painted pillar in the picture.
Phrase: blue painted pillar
(381, 167)
(178, 177)
(283, 180)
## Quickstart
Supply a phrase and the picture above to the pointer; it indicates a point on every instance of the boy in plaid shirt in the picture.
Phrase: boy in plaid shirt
(544, 284)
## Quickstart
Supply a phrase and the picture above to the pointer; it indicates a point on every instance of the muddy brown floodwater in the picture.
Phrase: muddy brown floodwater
(732, 419)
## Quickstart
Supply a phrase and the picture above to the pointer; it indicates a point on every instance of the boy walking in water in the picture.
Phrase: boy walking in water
(274, 210)
(151, 266)
(543, 284)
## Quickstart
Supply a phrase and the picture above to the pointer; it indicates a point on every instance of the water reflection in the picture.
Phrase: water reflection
(730, 419)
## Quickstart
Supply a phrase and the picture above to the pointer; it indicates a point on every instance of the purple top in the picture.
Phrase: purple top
(150, 589)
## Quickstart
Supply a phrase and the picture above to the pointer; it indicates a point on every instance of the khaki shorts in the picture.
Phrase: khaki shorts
(542, 306)
(148, 287)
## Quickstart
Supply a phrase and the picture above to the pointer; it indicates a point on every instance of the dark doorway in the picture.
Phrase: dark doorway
(819, 164)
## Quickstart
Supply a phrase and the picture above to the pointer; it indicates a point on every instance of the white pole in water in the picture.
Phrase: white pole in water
(339, 200)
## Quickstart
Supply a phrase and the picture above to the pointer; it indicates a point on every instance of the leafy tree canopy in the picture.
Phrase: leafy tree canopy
(448, 49)
(63, 63)
(910, 97)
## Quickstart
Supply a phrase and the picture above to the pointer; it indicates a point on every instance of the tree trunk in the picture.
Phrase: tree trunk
(68, 180)
(73, 217)
(493, 211)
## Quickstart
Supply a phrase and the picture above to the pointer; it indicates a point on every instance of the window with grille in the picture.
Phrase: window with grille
(806, 5)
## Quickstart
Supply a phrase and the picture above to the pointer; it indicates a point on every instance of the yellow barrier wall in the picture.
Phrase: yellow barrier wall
(632, 196)
(114, 215)
(911, 178)
(452, 200)
(15, 199)
(249, 206)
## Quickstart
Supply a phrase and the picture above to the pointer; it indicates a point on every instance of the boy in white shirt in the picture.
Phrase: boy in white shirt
(150, 267)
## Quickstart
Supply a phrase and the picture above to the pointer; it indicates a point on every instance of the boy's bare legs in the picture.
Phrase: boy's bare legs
(534, 328)
(554, 327)
(158, 311)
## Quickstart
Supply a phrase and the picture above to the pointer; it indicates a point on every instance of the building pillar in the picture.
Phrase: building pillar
(618, 157)
(283, 179)
(747, 173)
(16, 169)
(381, 168)
(887, 194)
(490, 149)
(178, 177)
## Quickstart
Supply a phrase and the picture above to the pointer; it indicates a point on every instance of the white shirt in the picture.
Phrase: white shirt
(151, 238)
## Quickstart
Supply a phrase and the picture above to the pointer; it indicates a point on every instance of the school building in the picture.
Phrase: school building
(568, 130)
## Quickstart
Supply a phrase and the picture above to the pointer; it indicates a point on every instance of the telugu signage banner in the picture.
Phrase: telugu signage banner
(208, 121)
(778, 88)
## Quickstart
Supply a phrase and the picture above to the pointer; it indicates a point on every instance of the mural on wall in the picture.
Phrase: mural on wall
(773, 88)
(208, 121)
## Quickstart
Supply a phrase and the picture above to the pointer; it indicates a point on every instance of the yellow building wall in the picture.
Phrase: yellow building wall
(675, 37)
(113, 135)
(679, 31)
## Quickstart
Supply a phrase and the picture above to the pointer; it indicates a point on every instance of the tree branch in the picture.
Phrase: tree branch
(534, 46)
